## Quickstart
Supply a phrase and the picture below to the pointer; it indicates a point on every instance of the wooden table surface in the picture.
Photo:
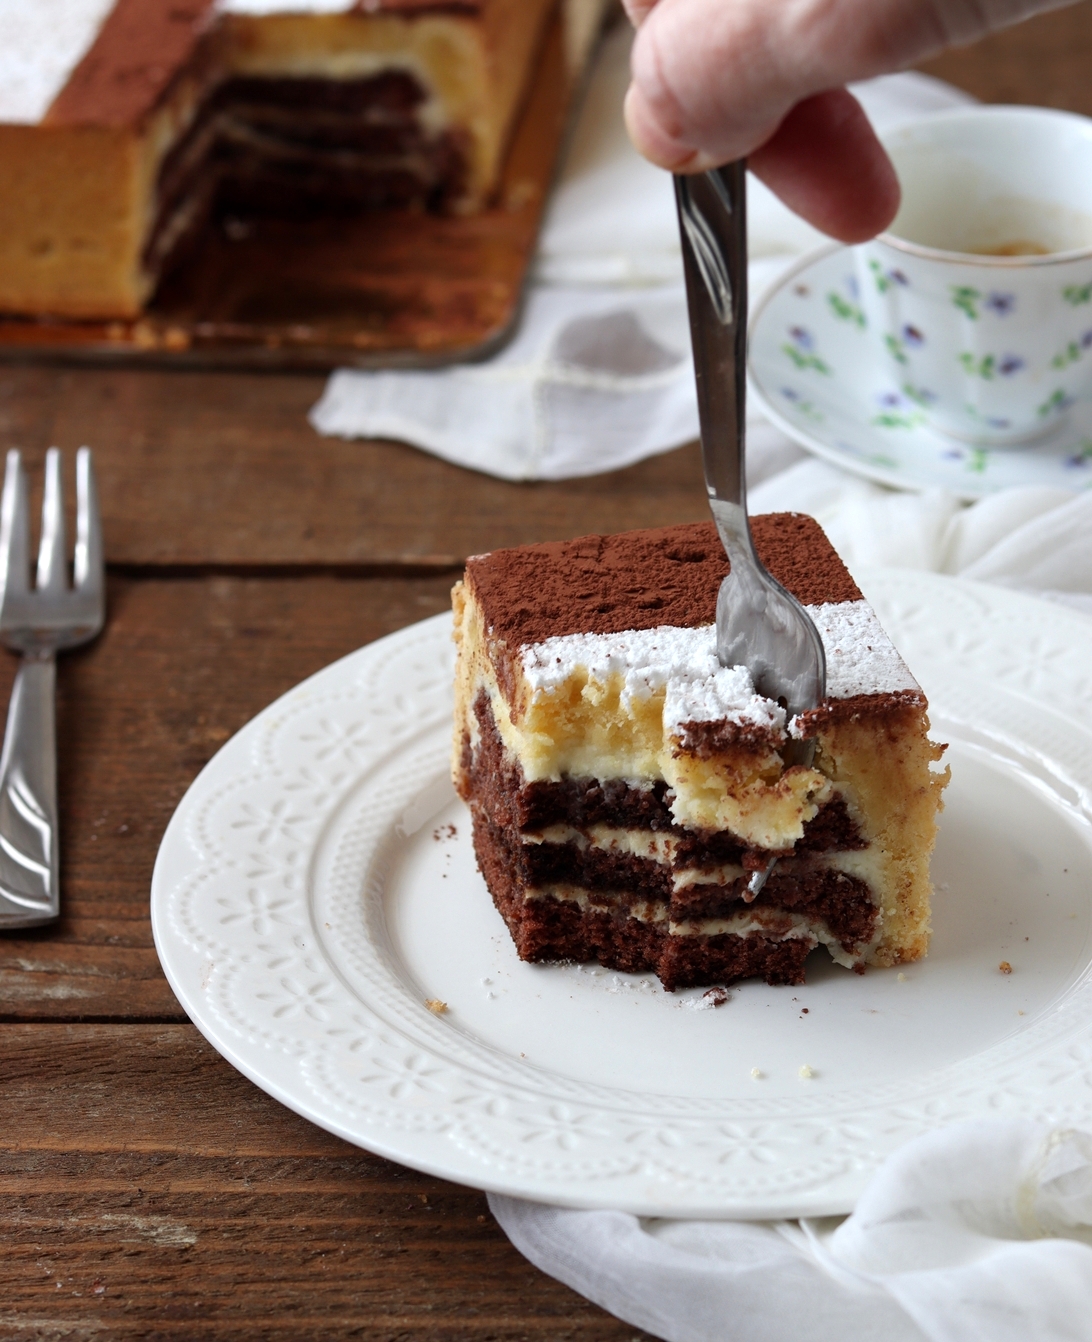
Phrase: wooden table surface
(146, 1188)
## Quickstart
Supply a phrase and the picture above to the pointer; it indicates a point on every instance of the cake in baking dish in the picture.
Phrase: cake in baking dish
(123, 123)
(624, 786)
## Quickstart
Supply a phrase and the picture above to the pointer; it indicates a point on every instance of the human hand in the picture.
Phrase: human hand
(718, 80)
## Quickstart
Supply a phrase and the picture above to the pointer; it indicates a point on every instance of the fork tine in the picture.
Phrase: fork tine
(88, 566)
(51, 550)
(14, 529)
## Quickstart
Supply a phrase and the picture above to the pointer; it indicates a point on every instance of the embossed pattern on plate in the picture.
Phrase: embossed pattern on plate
(316, 887)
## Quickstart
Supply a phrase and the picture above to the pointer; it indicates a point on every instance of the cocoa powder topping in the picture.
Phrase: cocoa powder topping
(642, 579)
(139, 50)
(795, 549)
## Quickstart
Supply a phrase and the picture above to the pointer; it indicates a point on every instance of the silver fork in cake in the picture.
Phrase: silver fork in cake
(760, 625)
(39, 622)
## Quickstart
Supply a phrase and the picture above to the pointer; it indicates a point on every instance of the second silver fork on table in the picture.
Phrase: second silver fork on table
(39, 621)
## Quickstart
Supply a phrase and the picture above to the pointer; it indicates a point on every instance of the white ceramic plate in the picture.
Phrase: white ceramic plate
(815, 372)
(317, 885)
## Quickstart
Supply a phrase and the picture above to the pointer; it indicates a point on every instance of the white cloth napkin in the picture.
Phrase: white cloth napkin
(978, 1231)
(598, 375)
(1035, 539)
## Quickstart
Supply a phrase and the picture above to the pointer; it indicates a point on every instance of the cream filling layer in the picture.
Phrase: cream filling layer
(643, 910)
(644, 843)
(432, 115)
(773, 924)
(863, 864)
(868, 865)
(749, 794)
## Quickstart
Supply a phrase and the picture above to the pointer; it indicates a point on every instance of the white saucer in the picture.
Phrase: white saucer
(316, 888)
(815, 372)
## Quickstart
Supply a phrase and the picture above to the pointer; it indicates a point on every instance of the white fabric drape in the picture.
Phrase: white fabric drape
(978, 1231)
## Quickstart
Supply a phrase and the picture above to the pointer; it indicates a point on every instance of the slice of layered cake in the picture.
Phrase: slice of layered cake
(624, 786)
(124, 124)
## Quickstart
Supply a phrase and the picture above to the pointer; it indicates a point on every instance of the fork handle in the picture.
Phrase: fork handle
(29, 852)
(712, 208)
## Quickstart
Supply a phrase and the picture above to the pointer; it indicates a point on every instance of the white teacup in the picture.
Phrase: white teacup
(981, 291)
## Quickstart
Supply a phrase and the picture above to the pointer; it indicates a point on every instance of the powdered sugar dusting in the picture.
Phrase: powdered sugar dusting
(41, 43)
(727, 693)
(861, 659)
(680, 662)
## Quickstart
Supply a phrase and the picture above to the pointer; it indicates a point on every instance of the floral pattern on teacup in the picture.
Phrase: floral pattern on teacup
(976, 459)
(886, 279)
(921, 396)
(897, 412)
(994, 423)
(800, 351)
(846, 310)
(803, 404)
(989, 366)
(1057, 403)
(841, 413)
(973, 302)
(1073, 351)
(1001, 355)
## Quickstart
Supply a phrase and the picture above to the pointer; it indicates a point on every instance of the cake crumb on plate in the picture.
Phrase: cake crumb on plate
(714, 997)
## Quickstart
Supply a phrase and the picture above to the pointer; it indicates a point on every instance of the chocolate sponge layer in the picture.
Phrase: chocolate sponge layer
(551, 929)
(619, 886)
